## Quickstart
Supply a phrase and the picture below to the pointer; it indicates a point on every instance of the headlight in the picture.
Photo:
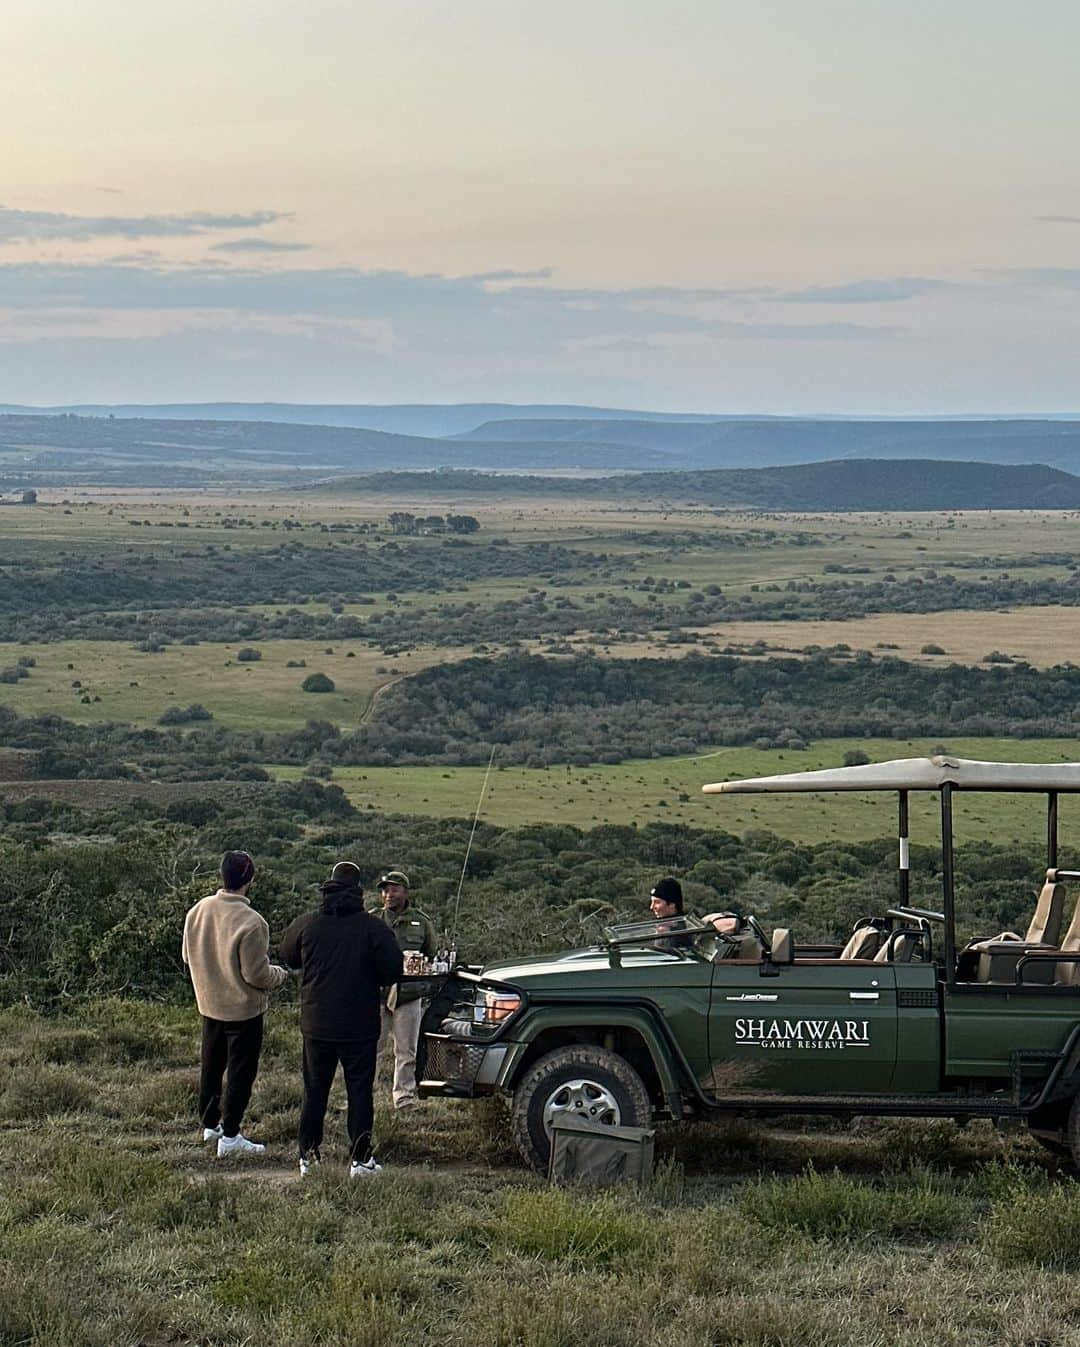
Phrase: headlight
(492, 1007)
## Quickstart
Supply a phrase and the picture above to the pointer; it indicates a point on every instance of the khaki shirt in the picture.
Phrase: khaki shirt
(413, 929)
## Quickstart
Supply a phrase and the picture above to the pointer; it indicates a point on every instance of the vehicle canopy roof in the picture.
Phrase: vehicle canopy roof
(915, 774)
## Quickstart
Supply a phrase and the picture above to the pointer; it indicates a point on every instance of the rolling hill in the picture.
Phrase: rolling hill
(851, 484)
(766, 442)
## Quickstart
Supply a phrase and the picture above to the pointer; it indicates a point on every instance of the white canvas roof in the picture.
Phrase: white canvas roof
(915, 774)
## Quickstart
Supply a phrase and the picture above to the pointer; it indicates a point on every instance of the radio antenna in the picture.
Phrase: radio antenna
(468, 848)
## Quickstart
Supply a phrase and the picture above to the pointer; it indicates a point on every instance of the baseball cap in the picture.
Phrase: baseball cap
(394, 877)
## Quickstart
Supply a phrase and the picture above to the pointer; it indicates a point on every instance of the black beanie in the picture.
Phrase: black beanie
(668, 890)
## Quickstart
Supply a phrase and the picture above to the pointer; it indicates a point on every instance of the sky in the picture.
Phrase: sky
(773, 206)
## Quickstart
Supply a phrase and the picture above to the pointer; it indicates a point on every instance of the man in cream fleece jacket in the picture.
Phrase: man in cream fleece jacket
(226, 947)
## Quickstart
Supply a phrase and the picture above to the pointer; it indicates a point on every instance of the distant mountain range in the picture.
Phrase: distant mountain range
(755, 443)
(497, 436)
(430, 419)
(921, 464)
(848, 484)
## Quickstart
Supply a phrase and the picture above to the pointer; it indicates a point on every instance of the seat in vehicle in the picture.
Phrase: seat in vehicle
(1067, 974)
(998, 957)
(864, 942)
(900, 947)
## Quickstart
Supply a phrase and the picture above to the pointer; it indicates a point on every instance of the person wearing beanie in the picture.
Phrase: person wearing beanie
(345, 958)
(404, 1009)
(226, 949)
(665, 898)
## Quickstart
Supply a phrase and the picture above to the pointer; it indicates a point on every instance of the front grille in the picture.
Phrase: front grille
(452, 1061)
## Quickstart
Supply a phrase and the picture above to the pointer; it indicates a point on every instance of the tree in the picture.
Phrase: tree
(29, 498)
(317, 682)
(462, 523)
(855, 757)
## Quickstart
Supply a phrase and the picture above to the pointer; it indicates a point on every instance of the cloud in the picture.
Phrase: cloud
(487, 277)
(890, 290)
(428, 317)
(259, 246)
(22, 226)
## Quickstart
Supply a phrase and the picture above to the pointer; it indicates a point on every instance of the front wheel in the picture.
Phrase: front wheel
(580, 1081)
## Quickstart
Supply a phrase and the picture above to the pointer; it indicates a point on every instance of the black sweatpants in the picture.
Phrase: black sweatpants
(357, 1058)
(233, 1045)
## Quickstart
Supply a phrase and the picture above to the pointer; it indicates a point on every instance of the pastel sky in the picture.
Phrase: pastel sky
(850, 206)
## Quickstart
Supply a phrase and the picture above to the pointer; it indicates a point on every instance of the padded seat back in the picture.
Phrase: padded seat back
(1045, 925)
(1069, 973)
(863, 944)
(898, 949)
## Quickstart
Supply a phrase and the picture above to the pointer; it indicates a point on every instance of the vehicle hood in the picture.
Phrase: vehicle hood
(578, 966)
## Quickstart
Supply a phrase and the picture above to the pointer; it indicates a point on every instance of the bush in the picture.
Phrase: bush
(184, 715)
(248, 655)
(931, 649)
(317, 682)
(855, 757)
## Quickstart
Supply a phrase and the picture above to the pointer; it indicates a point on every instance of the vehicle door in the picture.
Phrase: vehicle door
(815, 1026)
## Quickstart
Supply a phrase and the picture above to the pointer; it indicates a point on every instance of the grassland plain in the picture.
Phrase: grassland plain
(669, 790)
(133, 686)
(117, 1229)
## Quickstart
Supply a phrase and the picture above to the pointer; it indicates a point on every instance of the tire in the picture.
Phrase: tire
(582, 1080)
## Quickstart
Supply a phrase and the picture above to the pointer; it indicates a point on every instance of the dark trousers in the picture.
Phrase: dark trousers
(357, 1058)
(232, 1045)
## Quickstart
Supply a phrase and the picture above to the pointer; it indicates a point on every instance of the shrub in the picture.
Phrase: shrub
(855, 757)
(317, 682)
(184, 715)
(931, 649)
(248, 655)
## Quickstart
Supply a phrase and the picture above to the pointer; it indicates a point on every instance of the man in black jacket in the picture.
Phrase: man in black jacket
(345, 956)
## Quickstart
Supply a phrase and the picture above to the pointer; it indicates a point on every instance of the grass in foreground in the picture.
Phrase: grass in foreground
(118, 1229)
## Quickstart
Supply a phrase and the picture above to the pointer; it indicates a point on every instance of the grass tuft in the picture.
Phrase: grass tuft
(837, 1206)
(1033, 1220)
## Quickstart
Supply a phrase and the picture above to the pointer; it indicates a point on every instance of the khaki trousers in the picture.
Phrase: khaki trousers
(402, 1026)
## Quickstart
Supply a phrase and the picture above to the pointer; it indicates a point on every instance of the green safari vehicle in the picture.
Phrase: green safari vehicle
(674, 1020)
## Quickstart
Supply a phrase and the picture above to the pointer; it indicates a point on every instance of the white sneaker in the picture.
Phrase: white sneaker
(212, 1133)
(308, 1163)
(238, 1145)
(364, 1169)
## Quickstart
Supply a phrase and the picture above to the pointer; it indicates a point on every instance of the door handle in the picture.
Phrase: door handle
(863, 996)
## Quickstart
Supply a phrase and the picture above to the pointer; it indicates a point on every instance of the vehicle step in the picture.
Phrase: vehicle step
(913, 1106)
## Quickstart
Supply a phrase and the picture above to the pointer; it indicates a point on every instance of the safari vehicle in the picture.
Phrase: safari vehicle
(673, 1020)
